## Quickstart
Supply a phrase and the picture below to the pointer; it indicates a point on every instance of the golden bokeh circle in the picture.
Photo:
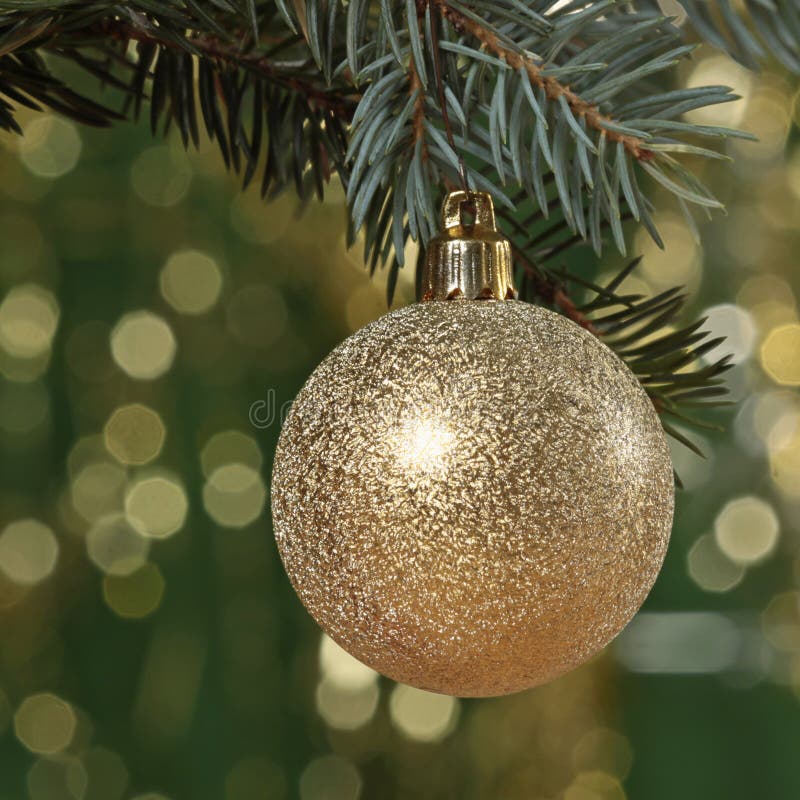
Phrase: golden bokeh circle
(134, 434)
(230, 447)
(330, 777)
(422, 716)
(747, 530)
(29, 317)
(136, 595)
(115, 546)
(780, 354)
(28, 551)
(45, 723)
(143, 345)
(156, 505)
(191, 282)
(234, 495)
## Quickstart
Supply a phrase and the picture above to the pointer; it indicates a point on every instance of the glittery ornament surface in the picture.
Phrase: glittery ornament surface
(472, 497)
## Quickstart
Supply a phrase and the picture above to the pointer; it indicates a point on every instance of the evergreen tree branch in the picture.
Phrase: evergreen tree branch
(565, 113)
(554, 89)
(749, 31)
(61, 37)
(342, 101)
(418, 116)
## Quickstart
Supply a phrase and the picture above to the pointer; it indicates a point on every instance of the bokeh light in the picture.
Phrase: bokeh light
(423, 716)
(679, 263)
(769, 299)
(710, 568)
(768, 118)
(674, 10)
(234, 495)
(23, 370)
(156, 505)
(680, 643)
(766, 421)
(45, 723)
(230, 447)
(780, 354)
(330, 778)
(115, 546)
(97, 489)
(746, 530)
(143, 345)
(346, 709)
(347, 695)
(341, 669)
(134, 434)
(51, 146)
(738, 328)
(107, 774)
(191, 282)
(595, 785)
(603, 749)
(28, 321)
(135, 595)
(720, 70)
(28, 551)
(62, 777)
(780, 621)
(784, 458)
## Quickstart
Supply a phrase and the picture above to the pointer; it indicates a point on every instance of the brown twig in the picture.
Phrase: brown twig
(341, 103)
(563, 301)
(552, 292)
(553, 88)
(418, 117)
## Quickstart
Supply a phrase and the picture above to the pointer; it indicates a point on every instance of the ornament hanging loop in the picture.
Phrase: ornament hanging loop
(470, 259)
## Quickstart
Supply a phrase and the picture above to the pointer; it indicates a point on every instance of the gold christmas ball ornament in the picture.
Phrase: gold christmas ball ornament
(472, 496)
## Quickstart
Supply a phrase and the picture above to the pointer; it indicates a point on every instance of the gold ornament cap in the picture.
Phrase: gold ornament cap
(468, 260)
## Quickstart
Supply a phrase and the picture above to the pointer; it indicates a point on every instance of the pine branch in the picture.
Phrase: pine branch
(232, 55)
(554, 89)
(418, 114)
(750, 31)
(565, 113)
(253, 93)
(518, 120)
(567, 108)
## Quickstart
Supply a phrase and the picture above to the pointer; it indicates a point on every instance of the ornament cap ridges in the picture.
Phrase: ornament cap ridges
(468, 260)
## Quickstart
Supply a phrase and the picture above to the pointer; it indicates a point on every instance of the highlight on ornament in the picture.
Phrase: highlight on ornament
(472, 494)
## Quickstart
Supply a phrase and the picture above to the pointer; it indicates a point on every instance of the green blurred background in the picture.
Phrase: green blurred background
(154, 321)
